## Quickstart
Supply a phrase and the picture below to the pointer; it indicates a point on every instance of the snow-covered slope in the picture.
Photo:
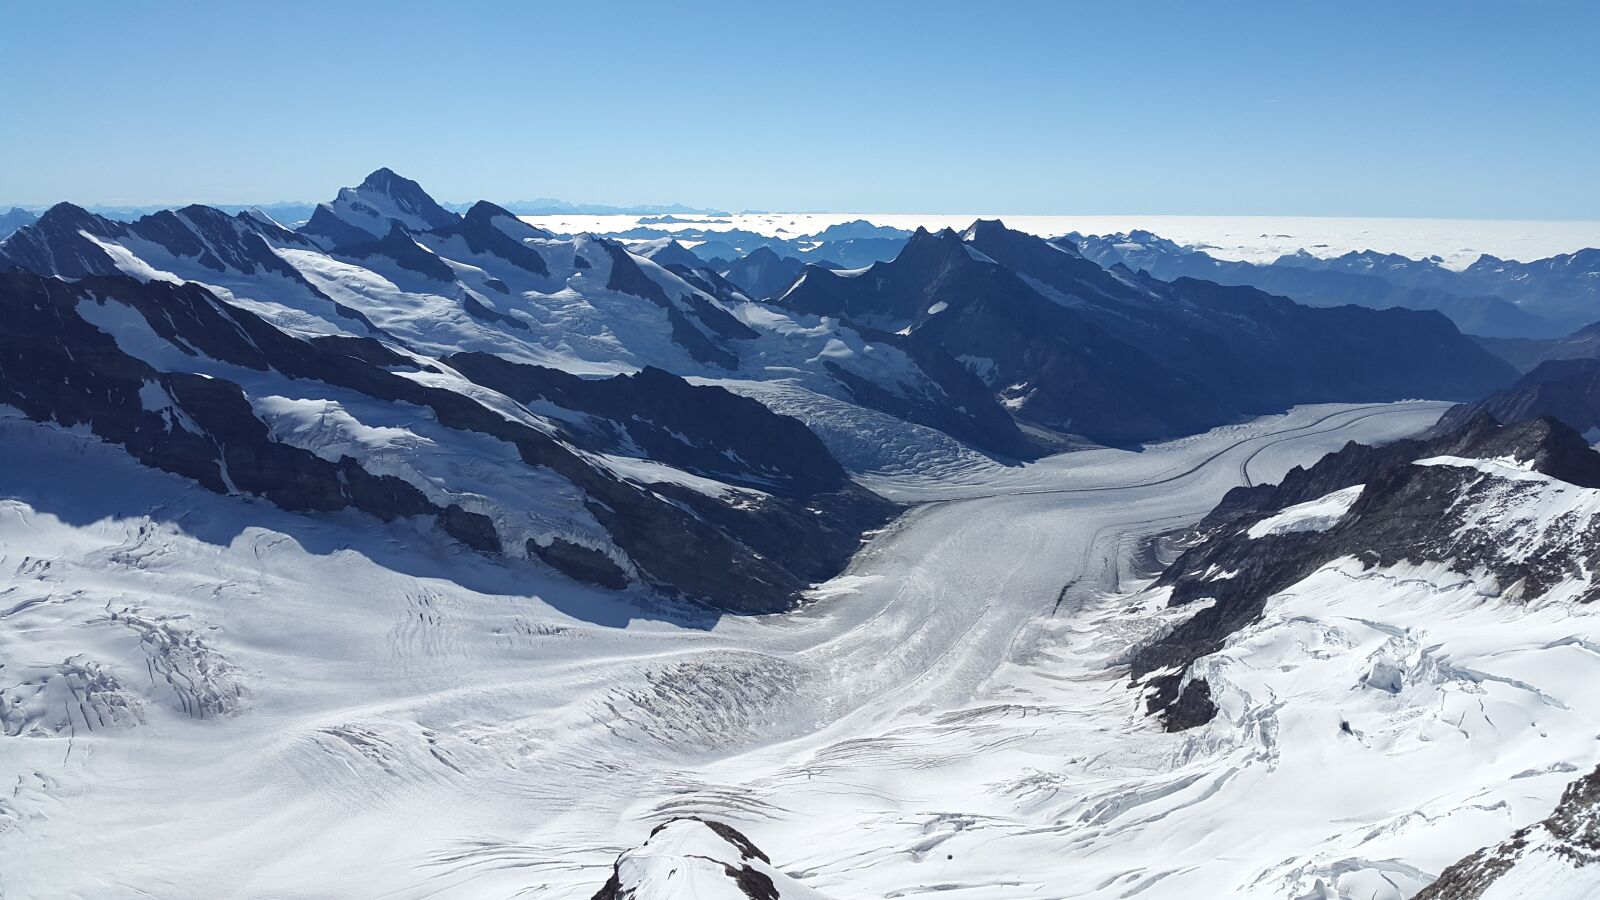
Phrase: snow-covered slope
(408, 538)
(436, 283)
(1550, 860)
(376, 204)
(944, 719)
(1419, 662)
(640, 479)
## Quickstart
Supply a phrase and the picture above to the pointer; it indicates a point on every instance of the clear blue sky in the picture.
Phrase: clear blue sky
(1294, 107)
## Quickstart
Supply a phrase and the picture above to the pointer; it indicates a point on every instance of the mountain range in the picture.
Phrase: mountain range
(1492, 297)
(612, 554)
(291, 344)
(1119, 357)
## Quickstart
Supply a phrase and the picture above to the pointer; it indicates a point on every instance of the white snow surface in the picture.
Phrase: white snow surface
(1313, 515)
(1541, 871)
(1421, 714)
(214, 697)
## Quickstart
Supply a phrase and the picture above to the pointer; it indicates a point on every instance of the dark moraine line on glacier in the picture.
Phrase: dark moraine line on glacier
(947, 613)
(1271, 440)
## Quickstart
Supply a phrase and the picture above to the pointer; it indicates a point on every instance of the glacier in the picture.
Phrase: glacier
(254, 700)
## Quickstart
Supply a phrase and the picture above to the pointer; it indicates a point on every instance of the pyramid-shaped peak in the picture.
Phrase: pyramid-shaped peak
(386, 196)
(71, 217)
(385, 179)
(988, 230)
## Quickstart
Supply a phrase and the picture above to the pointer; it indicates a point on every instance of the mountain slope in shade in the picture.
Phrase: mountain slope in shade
(731, 507)
(1565, 389)
(1473, 314)
(763, 274)
(1119, 358)
(1518, 505)
(1527, 353)
(1044, 361)
(374, 206)
(695, 859)
(14, 219)
(487, 282)
(1563, 289)
(667, 252)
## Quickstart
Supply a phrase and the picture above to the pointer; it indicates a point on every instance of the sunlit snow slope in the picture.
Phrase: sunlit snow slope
(205, 695)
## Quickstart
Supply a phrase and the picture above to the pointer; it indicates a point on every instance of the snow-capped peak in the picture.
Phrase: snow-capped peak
(385, 197)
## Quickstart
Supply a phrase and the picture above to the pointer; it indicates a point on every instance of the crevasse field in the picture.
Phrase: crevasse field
(329, 710)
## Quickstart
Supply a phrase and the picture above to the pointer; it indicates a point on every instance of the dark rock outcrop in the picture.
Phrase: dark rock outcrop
(1569, 838)
(14, 219)
(580, 563)
(399, 247)
(332, 232)
(701, 429)
(754, 556)
(1123, 359)
(482, 233)
(764, 274)
(715, 847)
(697, 326)
(1405, 513)
(1565, 389)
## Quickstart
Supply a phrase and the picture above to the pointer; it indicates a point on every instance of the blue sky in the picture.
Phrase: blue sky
(1398, 108)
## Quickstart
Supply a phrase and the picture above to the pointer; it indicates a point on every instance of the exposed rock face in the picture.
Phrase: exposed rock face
(332, 232)
(398, 246)
(64, 242)
(488, 230)
(667, 252)
(738, 440)
(1566, 389)
(751, 556)
(1469, 307)
(58, 367)
(698, 327)
(374, 207)
(11, 221)
(764, 274)
(582, 563)
(1120, 358)
(1411, 507)
(1527, 353)
(61, 241)
(1538, 861)
(699, 859)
